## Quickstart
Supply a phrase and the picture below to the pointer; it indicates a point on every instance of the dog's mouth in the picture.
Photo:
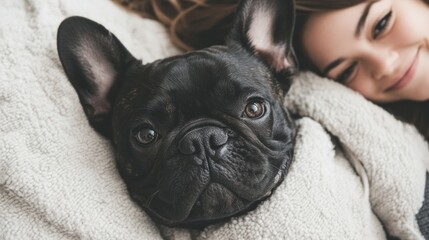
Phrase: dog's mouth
(215, 203)
(212, 197)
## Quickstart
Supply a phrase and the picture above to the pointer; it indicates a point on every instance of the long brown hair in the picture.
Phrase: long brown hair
(413, 112)
(192, 24)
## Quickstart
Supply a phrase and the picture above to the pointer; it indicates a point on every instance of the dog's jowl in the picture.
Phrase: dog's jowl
(198, 137)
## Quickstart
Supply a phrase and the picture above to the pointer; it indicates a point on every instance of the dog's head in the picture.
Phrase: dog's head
(201, 136)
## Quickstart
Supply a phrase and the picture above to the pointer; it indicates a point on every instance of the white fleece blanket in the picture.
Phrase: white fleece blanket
(58, 178)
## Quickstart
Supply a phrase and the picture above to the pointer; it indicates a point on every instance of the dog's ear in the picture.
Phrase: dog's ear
(93, 60)
(265, 28)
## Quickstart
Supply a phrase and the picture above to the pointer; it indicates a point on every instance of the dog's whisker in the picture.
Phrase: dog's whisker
(152, 196)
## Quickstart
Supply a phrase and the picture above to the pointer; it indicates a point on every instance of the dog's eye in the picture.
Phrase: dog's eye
(146, 136)
(254, 109)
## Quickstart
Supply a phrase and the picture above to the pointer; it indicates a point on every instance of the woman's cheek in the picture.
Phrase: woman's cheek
(363, 85)
(409, 30)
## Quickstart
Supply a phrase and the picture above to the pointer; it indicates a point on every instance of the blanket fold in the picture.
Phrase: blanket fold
(395, 157)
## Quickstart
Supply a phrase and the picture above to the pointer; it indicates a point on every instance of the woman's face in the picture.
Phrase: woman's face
(378, 48)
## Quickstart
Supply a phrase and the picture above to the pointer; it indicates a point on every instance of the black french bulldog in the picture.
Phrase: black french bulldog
(199, 137)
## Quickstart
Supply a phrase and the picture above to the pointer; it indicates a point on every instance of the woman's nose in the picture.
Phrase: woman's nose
(383, 63)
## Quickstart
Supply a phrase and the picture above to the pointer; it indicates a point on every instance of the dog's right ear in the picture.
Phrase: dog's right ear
(93, 60)
(265, 28)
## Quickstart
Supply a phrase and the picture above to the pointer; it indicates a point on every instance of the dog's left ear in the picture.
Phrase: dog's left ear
(265, 28)
(93, 59)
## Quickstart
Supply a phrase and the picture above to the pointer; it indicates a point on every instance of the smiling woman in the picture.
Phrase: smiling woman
(377, 48)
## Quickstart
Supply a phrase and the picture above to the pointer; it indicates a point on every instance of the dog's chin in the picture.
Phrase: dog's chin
(215, 203)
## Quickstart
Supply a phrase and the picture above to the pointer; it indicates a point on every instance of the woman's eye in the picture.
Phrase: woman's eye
(345, 75)
(381, 25)
(146, 136)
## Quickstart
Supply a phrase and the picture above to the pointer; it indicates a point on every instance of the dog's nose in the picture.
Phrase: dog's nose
(196, 140)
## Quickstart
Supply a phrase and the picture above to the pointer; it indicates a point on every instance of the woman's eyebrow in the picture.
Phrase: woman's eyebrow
(363, 17)
(358, 31)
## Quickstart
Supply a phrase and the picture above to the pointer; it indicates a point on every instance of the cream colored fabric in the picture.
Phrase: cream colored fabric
(394, 157)
(58, 178)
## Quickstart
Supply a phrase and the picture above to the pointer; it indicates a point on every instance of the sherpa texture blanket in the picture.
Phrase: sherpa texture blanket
(355, 170)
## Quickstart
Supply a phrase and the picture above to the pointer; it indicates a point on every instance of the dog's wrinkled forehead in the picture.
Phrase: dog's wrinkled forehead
(196, 81)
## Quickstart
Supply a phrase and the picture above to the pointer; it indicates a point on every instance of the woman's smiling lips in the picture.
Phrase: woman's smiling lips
(407, 76)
